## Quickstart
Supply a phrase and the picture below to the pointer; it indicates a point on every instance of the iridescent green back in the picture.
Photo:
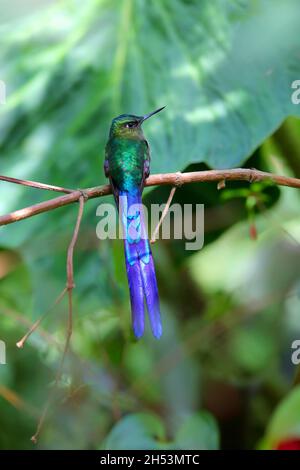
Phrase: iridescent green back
(126, 159)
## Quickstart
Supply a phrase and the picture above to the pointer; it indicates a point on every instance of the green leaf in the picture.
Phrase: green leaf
(224, 70)
(198, 432)
(136, 431)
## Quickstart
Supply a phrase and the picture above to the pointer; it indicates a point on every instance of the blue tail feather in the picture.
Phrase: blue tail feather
(139, 264)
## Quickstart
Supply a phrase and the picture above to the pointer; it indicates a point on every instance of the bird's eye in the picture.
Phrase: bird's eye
(129, 125)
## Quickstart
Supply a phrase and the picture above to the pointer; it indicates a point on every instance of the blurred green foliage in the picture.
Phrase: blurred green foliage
(199, 431)
(231, 311)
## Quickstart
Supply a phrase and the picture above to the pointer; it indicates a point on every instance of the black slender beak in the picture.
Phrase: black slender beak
(147, 116)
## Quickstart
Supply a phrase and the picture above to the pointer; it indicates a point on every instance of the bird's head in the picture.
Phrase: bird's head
(129, 126)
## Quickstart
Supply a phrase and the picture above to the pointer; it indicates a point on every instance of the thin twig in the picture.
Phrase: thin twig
(164, 213)
(69, 287)
(20, 344)
(19, 318)
(173, 179)
(35, 184)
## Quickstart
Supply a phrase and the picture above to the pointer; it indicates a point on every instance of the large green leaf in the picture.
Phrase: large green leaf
(224, 70)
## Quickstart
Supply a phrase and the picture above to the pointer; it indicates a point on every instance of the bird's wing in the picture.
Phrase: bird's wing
(146, 156)
(108, 175)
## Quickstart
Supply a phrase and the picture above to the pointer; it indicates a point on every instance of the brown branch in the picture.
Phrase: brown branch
(69, 288)
(16, 401)
(35, 184)
(173, 179)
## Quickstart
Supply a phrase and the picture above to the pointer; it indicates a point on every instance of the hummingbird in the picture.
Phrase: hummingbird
(127, 165)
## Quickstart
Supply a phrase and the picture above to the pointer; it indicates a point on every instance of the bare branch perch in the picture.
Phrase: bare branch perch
(173, 179)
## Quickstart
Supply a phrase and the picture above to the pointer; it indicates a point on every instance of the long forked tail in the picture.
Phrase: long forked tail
(139, 264)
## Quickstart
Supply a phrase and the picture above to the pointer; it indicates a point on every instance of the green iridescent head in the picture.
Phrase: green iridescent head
(128, 126)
